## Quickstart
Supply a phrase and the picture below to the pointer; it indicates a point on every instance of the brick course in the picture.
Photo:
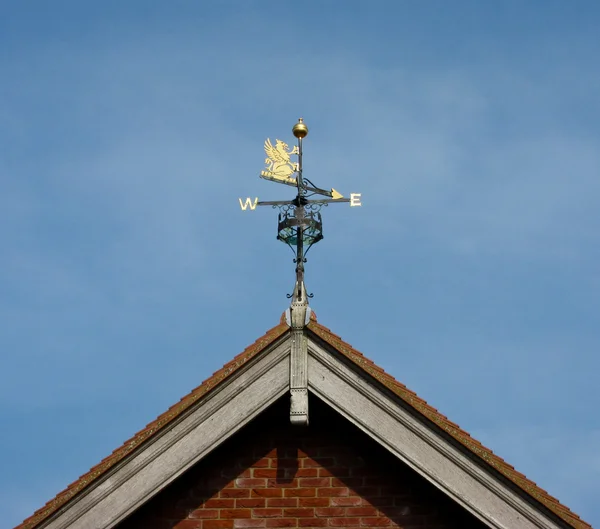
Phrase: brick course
(328, 474)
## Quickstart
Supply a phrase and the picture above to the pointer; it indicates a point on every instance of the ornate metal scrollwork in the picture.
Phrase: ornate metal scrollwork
(295, 222)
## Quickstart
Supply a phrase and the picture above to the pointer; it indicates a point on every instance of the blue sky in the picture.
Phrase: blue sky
(128, 273)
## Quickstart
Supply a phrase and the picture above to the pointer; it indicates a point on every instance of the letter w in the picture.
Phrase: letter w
(248, 202)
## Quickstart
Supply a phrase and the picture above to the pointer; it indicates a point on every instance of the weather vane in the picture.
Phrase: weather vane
(299, 223)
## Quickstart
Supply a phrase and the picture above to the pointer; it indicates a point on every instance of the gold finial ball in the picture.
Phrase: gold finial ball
(300, 129)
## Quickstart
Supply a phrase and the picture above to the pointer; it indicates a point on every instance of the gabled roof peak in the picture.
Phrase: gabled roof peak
(322, 338)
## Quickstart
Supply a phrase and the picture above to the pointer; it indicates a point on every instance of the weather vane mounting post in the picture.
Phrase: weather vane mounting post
(300, 130)
(299, 225)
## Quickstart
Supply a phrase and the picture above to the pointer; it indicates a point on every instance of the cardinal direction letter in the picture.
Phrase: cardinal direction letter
(355, 199)
(248, 203)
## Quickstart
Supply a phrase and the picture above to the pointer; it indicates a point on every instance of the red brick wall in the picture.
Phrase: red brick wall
(274, 475)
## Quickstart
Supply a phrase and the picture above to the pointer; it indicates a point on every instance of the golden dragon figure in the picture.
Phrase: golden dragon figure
(279, 166)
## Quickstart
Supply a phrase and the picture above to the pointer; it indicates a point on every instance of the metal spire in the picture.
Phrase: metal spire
(299, 221)
(299, 225)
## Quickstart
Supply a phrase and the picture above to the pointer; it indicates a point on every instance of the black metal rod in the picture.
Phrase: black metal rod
(275, 202)
(300, 227)
(300, 182)
(325, 201)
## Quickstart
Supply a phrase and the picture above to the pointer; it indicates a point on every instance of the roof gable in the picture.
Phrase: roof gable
(256, 377)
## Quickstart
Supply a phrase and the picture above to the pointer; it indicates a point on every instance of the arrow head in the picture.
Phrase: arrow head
(335, 195)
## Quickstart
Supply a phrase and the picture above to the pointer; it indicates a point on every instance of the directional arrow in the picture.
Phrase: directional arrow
(293, 182)
(335, 195)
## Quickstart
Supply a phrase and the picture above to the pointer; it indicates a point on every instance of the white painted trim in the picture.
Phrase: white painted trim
(227, 409)
(416, 443)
